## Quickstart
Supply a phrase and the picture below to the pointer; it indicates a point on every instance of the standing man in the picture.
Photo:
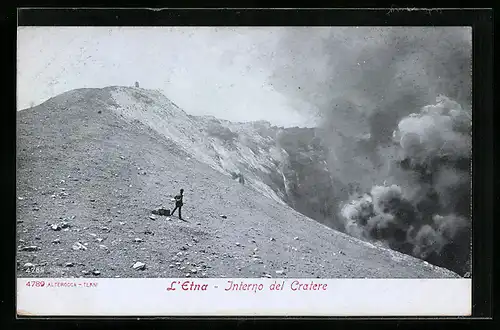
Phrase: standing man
(178, 203)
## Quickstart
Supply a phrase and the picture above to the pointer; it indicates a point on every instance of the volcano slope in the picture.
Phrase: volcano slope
(96, 177)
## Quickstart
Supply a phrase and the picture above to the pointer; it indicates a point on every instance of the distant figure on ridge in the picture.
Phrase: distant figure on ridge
(137, 84)
(178, 203)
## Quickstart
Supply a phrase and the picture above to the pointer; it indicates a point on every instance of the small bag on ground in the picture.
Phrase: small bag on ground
(164, 212)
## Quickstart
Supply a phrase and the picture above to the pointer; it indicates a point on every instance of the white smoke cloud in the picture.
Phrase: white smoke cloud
(423, 212)
(441, 129)
(394, 106)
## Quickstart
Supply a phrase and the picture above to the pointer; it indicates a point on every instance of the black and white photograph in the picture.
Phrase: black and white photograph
(244, 152)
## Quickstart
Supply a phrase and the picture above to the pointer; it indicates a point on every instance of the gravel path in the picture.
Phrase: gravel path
(87, 181)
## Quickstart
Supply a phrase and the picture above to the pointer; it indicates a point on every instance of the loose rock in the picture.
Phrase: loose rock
(96, 272)
(223, 216)
(139, 266)
(138, 240)
(258, 260)
(28, 265)
(152, 217)
(30, 248)
(55, 227)
(69, 264)
(56, 241)
(79, 246)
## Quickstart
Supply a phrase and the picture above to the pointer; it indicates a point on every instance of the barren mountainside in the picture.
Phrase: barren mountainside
(93, 163)
(288, 165)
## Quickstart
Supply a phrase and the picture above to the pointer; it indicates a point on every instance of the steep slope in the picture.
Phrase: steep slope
(285, 164)
(318, 170)
(212, 141)
(81, 162)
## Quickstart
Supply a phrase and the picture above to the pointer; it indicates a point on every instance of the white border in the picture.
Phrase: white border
(150, 297)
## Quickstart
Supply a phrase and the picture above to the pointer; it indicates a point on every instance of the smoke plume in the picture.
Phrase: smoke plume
(425, 211)
(395, 109)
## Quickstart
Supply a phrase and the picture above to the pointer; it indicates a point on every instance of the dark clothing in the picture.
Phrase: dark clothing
(175, 208)
(178, 200)
(178, 204)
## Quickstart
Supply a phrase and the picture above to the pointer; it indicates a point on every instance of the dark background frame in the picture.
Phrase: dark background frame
(481, 21)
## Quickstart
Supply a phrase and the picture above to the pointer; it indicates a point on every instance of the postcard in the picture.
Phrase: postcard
(259, 171)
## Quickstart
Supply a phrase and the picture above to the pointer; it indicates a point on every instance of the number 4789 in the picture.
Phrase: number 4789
(35, 283)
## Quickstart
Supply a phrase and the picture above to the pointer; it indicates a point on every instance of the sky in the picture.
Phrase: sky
(218, 71)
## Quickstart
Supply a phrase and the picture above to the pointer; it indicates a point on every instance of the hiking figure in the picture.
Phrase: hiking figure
(178, 203)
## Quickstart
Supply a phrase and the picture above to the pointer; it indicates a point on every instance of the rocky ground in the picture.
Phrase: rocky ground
(87, 181)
